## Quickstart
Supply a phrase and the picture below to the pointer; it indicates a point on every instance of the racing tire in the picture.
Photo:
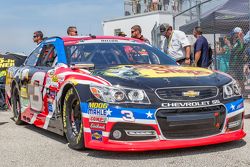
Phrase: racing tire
(72, 120)
(16, 106)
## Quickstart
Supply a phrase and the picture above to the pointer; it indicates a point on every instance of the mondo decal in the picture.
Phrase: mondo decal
(115, 94)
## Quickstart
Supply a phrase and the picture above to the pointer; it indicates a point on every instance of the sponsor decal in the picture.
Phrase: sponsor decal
(50, 107)
(96, 135)
(240, 106)
(109, 40)
(191, 104)
(24, 93)
(98, 119)
(99, 109)
(98, 105)
(54, 78)
(6, 63)
(97, 126)
(156, 71)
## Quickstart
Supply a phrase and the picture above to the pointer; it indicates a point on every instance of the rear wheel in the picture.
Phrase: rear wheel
(16, 106)
(72, 120)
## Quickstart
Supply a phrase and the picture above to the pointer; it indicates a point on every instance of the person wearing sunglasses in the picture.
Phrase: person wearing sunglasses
(136, 33)
(38, 37)
(72, 31)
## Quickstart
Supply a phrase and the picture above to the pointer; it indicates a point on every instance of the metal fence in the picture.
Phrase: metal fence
(225, 24)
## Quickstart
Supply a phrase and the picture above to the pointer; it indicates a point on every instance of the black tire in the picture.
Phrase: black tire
(72, 120)
(16, 106)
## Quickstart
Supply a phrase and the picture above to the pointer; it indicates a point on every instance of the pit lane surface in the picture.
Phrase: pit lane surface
(27, 145)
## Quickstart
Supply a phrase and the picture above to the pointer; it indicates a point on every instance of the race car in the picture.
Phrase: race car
(121, 94)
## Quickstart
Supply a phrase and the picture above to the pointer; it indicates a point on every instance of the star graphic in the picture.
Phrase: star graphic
(109, 112)
(149, 114)
(232, 107)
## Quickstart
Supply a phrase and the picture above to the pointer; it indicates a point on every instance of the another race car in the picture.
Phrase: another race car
(120, 94)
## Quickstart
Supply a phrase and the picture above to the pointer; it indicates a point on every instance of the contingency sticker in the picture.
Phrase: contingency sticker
(96, 135)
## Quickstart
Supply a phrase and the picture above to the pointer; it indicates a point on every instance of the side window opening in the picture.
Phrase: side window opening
(48, 56)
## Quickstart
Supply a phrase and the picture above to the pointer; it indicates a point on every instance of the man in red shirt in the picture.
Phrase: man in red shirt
(136, 33)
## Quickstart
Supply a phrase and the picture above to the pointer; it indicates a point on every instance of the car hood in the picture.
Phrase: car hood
(158, 76)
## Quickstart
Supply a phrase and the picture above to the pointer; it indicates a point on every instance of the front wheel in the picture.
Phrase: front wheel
(72, 120)
(16, 106)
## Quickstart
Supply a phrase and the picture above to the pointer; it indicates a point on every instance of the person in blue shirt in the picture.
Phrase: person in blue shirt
(201, 57)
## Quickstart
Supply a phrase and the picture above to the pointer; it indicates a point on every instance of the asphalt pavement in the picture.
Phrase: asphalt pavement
(29, 146)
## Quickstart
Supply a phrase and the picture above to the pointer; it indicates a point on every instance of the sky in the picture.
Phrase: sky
(19, 19)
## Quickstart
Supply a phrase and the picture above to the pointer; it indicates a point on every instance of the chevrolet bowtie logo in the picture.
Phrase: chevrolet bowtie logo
(190, 93)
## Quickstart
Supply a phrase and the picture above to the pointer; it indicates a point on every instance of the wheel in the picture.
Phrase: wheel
(72, 120)
(16, 106)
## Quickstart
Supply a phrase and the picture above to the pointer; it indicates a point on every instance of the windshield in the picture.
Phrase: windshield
(103, 54)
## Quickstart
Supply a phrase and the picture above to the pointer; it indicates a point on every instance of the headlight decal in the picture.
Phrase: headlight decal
(231, 90)
(234, 106)
(118, 94)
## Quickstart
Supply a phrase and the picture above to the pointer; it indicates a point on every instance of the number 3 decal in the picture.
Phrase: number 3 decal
(36, 97)
(128, 116)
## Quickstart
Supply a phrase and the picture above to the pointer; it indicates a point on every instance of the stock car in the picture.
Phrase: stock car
(121, 94)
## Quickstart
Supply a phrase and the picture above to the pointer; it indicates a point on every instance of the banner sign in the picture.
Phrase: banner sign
(7, 60)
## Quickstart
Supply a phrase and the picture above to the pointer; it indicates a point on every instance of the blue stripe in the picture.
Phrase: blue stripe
(234, 106)
(116, 112)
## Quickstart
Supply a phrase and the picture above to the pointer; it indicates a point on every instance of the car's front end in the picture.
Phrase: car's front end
(136, 98)
(153, 107)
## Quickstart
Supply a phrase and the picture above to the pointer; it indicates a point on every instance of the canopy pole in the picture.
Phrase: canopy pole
(215, 53)
(198, 2)
(249, 13)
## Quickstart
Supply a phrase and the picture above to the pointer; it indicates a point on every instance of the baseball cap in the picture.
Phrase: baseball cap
(122, 34)
(237, 30)
(164, 27)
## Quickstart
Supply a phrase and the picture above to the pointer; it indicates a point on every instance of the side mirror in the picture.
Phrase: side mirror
(82, 66)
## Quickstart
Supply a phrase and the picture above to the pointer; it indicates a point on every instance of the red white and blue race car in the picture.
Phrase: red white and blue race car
(120, 94)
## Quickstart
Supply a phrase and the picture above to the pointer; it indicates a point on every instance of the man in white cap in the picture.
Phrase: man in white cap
(236, 62)
(237, 31)
(176, 44)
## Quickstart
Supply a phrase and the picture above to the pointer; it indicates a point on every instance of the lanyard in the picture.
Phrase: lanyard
(169, 40)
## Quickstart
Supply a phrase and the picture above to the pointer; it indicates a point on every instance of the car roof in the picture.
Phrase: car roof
(77, 39)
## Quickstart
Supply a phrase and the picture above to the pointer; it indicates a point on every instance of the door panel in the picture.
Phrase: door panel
(36, 91)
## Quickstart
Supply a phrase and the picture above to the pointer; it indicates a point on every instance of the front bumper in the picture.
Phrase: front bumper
(162, 144)
(99, 126)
